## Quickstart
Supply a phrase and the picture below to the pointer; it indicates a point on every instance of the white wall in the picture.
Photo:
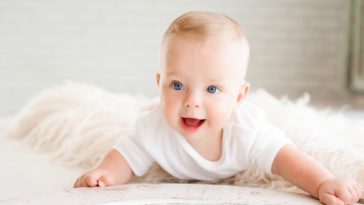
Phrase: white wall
(297, 45)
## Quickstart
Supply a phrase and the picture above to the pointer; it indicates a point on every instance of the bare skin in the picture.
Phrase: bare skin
(306, 173)
(112, 170)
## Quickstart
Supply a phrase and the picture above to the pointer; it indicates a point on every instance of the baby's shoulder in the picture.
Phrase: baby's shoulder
(247, 112)
(244, 125)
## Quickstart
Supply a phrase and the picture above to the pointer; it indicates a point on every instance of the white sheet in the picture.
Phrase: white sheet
(147, 194)
(25, 172)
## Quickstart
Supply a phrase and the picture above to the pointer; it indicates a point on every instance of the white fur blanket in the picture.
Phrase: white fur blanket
(76, 124)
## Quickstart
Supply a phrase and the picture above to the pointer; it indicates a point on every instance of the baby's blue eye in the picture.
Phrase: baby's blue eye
(177, 86)
(212, 89)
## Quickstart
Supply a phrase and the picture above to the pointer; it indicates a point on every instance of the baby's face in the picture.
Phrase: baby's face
(201, 84)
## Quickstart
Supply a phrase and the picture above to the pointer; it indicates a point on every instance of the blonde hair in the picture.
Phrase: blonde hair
(201, 24)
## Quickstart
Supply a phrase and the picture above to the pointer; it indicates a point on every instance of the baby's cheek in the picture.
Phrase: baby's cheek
(219, 117)
(171, 99)
(170, 111)
(169, 118)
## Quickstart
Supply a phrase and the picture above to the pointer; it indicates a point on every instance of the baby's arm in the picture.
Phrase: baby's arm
(306, 173)
(114, 169)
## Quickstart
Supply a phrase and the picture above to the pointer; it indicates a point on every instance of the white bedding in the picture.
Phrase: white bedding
(149, 194)
(23, 171)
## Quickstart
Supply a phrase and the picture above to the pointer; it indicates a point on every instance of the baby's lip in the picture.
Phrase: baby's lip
(191, 124)
(192, 117)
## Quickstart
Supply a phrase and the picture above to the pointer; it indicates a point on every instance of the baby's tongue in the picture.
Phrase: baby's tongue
(191, 121)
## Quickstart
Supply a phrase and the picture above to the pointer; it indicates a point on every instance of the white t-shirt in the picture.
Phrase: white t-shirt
(247, 139)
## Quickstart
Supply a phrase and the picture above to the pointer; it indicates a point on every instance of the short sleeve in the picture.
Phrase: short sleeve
(267, 144)
(132, 149)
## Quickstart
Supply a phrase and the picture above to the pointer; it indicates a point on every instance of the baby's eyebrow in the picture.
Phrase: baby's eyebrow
(215, 81)
(171, 74)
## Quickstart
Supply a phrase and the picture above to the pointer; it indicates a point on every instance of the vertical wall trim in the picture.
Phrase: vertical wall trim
(356, 45)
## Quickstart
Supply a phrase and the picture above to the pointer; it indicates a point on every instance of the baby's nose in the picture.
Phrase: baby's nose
(192, 101)
(192, 105)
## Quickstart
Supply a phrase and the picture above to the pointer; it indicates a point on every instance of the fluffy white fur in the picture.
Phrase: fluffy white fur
(77, 124)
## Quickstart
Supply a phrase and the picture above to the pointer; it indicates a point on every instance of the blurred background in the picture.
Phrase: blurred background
(297, 46)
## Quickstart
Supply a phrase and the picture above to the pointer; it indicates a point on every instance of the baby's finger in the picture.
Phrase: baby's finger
(76, 182)
(80, 182)
(330, 199)
(360, 191)
(92, 178)
(345, 195)
(106, 180)
(354, 195)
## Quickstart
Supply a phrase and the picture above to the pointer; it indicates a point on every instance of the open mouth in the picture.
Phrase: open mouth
(192, 124)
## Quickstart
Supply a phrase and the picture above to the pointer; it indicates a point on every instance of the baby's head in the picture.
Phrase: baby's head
(203, 64)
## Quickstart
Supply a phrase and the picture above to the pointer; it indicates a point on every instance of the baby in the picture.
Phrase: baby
(203, 129)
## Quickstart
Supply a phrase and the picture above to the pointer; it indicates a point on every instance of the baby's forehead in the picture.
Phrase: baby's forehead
(221, 42)
(217, 55)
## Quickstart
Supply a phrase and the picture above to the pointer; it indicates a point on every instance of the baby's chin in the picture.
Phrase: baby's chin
(191, 137)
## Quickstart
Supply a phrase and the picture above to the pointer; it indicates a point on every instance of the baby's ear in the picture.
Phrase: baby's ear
(157, 78)
(243, 92)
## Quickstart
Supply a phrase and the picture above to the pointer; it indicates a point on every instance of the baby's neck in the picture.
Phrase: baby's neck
(210, 147)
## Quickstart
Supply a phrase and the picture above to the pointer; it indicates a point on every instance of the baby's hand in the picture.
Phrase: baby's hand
(339, 191)
(97, 177)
